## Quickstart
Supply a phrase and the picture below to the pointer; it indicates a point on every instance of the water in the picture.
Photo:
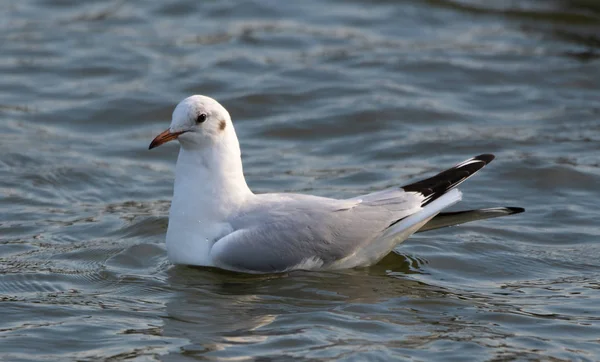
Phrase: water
(329, 97)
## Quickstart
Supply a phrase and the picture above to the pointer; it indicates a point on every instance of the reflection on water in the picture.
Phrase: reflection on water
(336, 99)
(254, 313)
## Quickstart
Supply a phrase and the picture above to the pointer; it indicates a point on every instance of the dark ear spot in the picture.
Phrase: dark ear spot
(222, 124)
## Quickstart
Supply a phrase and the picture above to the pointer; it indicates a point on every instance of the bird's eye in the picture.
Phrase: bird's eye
(201, 118)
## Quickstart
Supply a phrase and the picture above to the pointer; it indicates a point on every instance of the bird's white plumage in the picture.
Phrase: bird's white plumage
(215, 220)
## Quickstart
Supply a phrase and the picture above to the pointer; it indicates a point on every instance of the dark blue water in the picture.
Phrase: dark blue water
(332, 98)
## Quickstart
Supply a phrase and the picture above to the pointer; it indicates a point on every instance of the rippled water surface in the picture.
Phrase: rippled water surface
(333, 98)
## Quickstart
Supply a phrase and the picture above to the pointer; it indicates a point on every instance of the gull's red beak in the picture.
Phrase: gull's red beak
(164, 137)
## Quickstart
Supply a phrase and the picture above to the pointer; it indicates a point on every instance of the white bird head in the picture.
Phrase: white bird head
(197, 121)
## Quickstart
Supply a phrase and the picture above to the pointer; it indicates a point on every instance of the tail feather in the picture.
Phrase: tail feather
(404, 228)
(434, 187)
(445, 219)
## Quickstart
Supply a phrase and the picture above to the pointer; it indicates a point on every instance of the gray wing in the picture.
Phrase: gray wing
(278, 232)
(282, 232)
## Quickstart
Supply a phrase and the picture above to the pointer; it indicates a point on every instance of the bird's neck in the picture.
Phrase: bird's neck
(210, 180)
(209, 187)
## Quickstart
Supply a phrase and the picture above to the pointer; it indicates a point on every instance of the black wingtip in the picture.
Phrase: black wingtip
(515, 210)
(486, 157)
(436, 186)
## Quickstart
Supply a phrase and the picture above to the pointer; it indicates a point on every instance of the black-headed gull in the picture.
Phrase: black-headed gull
(216, 220)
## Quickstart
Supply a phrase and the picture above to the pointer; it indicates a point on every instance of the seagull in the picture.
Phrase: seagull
(215, 219)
